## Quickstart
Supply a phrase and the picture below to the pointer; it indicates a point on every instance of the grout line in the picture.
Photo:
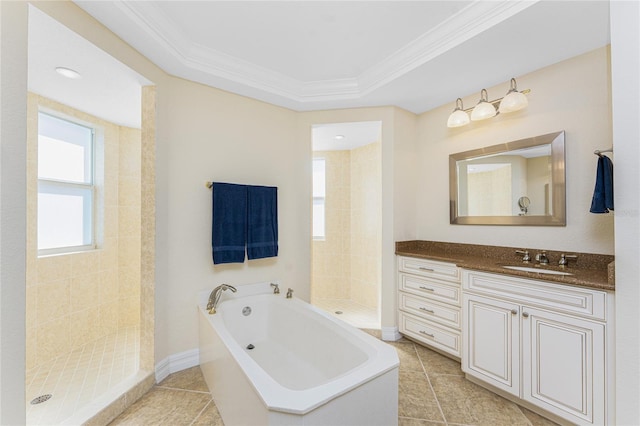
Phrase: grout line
(435, 396)
(180, 389)
(425, 420)
(201, 411)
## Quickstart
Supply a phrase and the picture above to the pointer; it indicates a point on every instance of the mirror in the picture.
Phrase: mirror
(514, 183)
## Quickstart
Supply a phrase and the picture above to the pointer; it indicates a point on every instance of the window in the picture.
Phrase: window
(65, 185)
(318, 198)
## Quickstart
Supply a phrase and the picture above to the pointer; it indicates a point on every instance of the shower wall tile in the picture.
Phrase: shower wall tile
(53, 300)
(75, 298)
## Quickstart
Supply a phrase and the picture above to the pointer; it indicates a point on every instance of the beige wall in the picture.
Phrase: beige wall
(574, 96)
(331, 264)
(366, 224)
(80, 297)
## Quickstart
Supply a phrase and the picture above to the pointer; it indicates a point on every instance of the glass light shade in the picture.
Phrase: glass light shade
(513, 101)
(458, 118)
(482, 111)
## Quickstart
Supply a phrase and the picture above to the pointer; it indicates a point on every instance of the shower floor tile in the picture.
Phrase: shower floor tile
(78, 378)
(353, 313)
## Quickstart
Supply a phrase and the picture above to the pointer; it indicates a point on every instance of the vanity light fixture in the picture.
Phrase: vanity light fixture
(483, 109)
(458, 117)
(514, 100)
(68, 72)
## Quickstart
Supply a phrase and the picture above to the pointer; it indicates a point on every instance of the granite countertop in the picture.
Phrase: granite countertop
(588, 270)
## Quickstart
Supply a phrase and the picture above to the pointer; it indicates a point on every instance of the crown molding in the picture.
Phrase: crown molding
(183, 57)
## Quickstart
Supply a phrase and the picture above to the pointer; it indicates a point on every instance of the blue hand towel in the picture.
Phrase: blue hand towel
(262, 235)
(602, 201)
(229, 229)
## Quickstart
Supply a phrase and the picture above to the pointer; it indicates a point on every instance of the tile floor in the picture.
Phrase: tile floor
(352, 313)
(77, 379)
(432, 391)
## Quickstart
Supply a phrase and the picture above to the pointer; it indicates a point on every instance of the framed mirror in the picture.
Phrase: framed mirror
(514, 183)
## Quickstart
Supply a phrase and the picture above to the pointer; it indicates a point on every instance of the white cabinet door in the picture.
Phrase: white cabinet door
(491, 342)
(563, 365)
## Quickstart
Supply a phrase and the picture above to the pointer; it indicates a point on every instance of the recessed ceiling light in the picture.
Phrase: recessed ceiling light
(339, 137)
(68, 72)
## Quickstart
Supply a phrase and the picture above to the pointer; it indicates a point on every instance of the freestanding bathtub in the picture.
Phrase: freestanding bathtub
(285, 362)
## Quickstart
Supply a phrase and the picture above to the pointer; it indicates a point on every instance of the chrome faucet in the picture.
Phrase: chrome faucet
(542, 258)
(276, 289)
(214, 297)
(525, 255)
(564, 259)
(289, 293)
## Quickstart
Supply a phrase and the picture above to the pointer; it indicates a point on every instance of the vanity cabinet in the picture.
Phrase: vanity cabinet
(544, 343)
(429, 297)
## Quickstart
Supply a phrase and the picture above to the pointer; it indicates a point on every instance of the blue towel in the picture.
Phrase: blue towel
(229, 229)
(262, 237)
(602, 200)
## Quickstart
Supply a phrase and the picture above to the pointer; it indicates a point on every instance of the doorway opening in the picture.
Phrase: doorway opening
(347, 221)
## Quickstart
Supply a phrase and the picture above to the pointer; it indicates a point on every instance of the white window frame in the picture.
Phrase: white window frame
(320, 200)
(63, 187)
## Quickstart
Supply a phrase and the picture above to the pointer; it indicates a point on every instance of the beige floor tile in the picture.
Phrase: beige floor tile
(467, 403)
(375, 333)
(408, 356)
(209, 416)
(161, 406)
(415, 398)
(189, 379)
(536, 419)
(435, 363)
(405, 421)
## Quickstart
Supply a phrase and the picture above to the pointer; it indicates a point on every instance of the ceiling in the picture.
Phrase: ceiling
(313, 55)
(107, 88)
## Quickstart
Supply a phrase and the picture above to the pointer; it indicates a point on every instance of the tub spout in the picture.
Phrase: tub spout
(214, 297)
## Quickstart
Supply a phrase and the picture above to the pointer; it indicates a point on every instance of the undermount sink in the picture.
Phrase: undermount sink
(537, 270)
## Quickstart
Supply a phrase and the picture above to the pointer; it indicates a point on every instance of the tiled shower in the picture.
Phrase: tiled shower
(346, 262)
(83, 309)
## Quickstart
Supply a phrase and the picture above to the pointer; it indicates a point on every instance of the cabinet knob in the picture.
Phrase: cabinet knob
(525, 315)
(514, 311)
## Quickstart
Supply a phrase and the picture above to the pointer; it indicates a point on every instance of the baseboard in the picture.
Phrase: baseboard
(390, 334)
(177, 362)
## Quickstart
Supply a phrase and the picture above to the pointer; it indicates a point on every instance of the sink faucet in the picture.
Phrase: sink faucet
(214, 297)
(564, 259)
(542, 258)
(525, 255)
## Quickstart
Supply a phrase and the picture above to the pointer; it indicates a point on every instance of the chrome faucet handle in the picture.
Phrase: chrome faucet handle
(525, 255)
(276, 289)
(542, 258)
(564, 259)
(289, 293)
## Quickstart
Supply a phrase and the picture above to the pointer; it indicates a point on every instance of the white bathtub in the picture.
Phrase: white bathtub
(306, 368)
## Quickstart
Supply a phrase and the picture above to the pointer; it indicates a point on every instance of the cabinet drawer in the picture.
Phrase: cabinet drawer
(563, 298)
(429, 268)
(431, 289)
(425, 308)
(430, 333)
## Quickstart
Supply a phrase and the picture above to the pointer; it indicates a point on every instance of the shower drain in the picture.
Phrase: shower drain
(41, 399)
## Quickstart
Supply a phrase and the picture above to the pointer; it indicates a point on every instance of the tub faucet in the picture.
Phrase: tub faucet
(542, 258)
(289, 293)
(276, 289)
(214, 297)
